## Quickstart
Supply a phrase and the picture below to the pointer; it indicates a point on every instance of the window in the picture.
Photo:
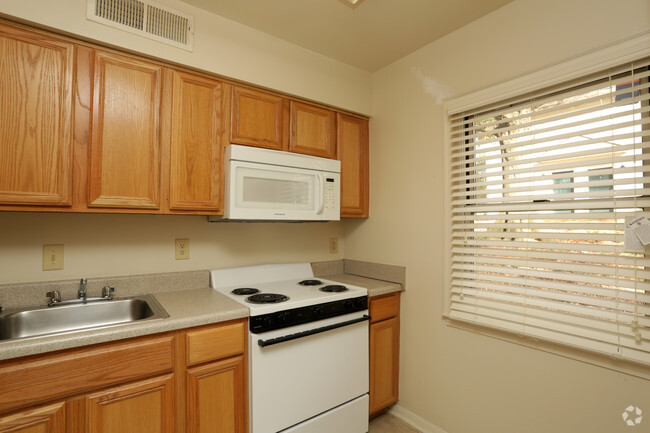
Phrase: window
(541, 187)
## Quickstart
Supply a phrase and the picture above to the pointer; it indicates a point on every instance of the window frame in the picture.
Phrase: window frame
(578, 69)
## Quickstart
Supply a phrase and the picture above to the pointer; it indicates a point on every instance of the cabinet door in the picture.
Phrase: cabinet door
(36, 99)
(196, 150)
(46, 419)
(216, 397)
(384, 364)
(146, 406)
(125, 134)
(313, 130)
(352, 151)
(258, 119)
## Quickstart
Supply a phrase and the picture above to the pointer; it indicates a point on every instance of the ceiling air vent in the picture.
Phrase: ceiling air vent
(145, 18)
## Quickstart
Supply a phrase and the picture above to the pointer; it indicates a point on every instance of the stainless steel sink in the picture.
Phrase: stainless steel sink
(37, 321)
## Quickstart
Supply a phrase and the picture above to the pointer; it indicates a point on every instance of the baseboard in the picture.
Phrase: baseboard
(414, 420)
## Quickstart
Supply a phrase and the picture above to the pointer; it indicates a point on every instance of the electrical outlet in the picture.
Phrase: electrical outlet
(182, 249)
(52, 257)
(334, 245)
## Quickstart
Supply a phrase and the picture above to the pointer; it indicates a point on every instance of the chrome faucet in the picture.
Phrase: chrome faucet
(54, 297)
(82, 289)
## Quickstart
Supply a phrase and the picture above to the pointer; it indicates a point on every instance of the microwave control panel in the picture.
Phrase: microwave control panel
(330, 190)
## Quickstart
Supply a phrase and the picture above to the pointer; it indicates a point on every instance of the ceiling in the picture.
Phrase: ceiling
(369, 35)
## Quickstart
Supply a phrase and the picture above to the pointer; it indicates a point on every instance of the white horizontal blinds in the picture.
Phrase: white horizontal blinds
(540, 191)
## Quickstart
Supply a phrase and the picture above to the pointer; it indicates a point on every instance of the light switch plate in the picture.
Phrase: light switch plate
(334, 245)
(52, 257)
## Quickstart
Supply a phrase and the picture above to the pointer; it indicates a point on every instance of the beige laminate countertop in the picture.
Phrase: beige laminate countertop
(186, 308)
(375, 287)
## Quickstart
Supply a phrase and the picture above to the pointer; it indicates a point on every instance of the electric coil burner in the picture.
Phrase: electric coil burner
(267, 298)
(310, 282)
(245, 291)
(334, 288)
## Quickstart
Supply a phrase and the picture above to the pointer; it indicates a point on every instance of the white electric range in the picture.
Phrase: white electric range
(308, 348)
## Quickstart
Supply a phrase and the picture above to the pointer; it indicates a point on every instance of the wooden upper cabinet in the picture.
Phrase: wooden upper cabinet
(198, 125)
(258, 119)
(352, 151)
(125, 146)
(313, 130)
(36, 118)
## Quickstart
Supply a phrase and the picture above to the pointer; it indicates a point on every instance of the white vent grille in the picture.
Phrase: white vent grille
(145, 18)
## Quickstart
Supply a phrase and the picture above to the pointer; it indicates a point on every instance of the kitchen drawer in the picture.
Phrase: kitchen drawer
(43, 378)
(209, 344)
(384, 307)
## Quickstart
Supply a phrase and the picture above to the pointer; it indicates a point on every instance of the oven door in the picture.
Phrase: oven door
(313, 381)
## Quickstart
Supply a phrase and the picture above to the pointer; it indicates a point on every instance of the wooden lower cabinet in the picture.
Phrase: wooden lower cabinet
(142, 407)
(141, 385)
(384, 352)
(44, 419)
(215, 397)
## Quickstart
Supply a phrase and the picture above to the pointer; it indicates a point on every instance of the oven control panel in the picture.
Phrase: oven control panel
(311, 313)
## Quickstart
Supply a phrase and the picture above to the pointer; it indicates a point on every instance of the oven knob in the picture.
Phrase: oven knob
(349, 305)
(267, 322)
(317, 311)
(282, 317)
(358, 303)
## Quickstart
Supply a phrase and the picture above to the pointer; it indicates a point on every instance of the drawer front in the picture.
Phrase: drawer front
(384, 307)
(57, 376)
(214, 343)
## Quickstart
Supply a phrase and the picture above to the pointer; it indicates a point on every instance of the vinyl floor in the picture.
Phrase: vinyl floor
(389, 424)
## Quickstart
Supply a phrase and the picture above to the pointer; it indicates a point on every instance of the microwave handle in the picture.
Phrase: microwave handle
(321, 184)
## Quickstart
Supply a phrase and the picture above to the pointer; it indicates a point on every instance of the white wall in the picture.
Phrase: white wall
(109, 245)
(452, 379)
(221, 46)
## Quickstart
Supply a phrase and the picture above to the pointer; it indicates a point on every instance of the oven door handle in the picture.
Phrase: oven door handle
(272, 341)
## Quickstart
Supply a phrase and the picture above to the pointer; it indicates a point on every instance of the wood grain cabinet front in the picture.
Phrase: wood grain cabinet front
(198, 114)
(258, 119)
(125, 136)
(352, 151)
(146, 406)
(36, 121)
(42, 419)
(384, 352)
(313, 130)
(216, 397)
(216, 379)
(189, 381)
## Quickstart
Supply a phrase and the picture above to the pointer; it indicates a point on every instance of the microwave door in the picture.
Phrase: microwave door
(268, 192)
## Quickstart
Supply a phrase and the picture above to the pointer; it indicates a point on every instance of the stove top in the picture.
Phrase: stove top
(271, 288)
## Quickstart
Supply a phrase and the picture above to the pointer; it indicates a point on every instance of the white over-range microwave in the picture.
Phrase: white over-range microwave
(271, 185)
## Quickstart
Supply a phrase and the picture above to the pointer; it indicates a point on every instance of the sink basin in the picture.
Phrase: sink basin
(37, 321)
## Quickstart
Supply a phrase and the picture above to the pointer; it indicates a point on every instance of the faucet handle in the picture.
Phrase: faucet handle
(107, 292)
(55, 297)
